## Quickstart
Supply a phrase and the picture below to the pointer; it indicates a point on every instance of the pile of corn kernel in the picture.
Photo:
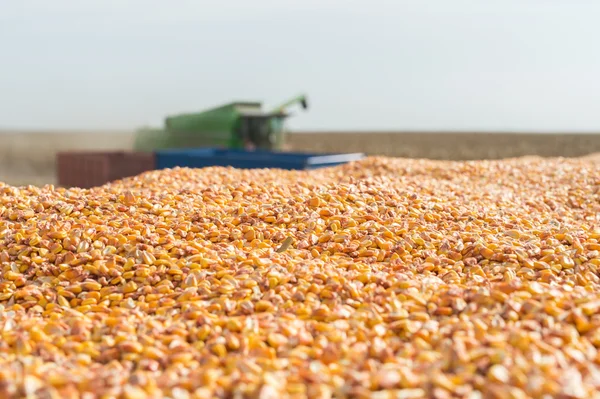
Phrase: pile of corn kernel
(383, 278)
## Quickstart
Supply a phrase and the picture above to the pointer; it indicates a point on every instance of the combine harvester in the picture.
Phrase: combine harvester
(237, 125)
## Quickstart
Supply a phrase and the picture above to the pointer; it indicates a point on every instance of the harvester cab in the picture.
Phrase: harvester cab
(265, 130)
(260, 129)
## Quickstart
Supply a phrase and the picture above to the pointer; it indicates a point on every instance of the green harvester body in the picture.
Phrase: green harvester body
(236, 125)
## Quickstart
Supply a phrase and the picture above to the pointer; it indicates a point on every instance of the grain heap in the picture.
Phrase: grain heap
(404, 279)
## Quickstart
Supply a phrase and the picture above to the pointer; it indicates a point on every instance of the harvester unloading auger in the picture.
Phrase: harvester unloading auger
(237, 125)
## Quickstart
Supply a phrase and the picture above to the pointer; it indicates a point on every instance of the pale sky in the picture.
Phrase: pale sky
(373, 64)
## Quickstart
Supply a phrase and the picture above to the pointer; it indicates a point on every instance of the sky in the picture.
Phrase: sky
(529, 65)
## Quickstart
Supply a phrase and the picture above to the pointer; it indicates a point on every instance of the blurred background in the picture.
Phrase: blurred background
(436, 79)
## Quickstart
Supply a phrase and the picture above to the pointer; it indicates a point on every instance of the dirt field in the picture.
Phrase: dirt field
(450, 146)
(29, 157)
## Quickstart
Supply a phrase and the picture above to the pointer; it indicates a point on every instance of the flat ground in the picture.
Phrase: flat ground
(29, 157)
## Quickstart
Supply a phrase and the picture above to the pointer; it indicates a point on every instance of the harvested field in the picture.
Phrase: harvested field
(456, 146)
(30, 157)
(381, 278)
